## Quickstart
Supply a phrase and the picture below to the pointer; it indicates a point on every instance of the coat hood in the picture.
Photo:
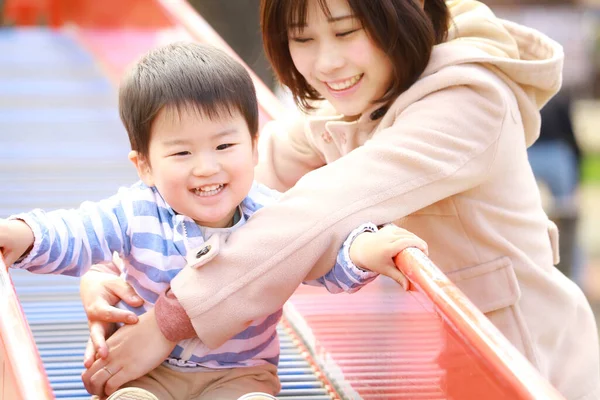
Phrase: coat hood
(529, 62)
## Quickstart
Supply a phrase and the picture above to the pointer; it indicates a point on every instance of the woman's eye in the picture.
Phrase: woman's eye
(301, 40)
(343, 34)
(224, 146)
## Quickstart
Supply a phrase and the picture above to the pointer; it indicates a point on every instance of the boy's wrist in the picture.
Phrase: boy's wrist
(358, 248)
(24, 236)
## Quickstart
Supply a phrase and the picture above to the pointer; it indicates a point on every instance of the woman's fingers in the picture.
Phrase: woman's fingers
(95, 378)
(90, 354)
(102, 311)
(124, 291)
(100, 291)
(100, 284)
(98, 335)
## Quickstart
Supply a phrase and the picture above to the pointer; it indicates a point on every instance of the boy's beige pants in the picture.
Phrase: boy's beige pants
(227, 384)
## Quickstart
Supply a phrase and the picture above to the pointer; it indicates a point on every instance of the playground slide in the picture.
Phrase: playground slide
(63, 143)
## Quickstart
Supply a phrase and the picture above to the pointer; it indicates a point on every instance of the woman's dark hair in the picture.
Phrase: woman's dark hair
(401, 28)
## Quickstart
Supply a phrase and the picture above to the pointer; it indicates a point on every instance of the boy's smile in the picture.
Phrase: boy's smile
(209, 190)
(203, 167)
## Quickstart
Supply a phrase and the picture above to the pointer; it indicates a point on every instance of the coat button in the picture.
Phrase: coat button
(204, 251)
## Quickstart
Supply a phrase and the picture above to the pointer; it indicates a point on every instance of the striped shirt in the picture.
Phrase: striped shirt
(153, 240)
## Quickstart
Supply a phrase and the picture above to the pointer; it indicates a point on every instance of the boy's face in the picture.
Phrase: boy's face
(203, 168)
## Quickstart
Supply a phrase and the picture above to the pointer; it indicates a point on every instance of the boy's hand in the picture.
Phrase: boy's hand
(16, 237)
(134, 350)
(375, 251)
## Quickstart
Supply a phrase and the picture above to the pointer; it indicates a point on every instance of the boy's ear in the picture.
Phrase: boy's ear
(142, 166)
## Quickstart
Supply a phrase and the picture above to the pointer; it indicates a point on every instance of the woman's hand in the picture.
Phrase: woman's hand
(135, 350)
(375, 251)
(101, 288)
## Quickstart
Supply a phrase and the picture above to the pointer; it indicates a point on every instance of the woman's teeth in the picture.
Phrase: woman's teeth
(209, 190)
(348, 83)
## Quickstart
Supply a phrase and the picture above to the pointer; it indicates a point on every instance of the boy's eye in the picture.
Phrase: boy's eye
(224, 146)
(181, 153)
(342, 34)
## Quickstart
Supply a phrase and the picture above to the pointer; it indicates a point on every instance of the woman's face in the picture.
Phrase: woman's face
(337, 57)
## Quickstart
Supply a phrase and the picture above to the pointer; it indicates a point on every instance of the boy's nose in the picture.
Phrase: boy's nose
(206, 166)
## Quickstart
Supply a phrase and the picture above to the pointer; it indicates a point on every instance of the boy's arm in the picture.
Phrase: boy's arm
(68, 242)
(15, 240)
(366, 253)
(345, 276)
(375, 251)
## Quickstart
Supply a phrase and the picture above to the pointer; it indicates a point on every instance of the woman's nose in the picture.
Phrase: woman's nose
(329, 59)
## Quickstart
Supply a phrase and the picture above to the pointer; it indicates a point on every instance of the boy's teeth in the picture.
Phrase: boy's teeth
(345, 84)
(208, 190)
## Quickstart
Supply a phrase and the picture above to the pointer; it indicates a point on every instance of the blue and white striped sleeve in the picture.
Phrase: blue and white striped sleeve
(68, 242)
(345, 276)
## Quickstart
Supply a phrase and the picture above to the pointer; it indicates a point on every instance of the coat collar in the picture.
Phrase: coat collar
(338, 125)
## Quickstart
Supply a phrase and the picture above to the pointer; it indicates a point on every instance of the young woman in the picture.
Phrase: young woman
(428, 110)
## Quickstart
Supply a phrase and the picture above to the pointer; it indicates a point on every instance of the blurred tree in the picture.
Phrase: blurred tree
(237, 21)
(597, 59)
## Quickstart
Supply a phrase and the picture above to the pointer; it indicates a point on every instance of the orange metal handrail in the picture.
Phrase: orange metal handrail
(18, 351)
(474, 328)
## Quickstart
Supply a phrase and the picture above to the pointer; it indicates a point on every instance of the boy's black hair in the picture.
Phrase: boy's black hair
(180, 75)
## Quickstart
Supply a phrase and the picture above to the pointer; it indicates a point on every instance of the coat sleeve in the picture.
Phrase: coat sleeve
(345, 276)
(286, 153)
(440, 145)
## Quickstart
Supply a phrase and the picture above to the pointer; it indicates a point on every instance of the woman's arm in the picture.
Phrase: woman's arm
(441, 145)
(286, 153)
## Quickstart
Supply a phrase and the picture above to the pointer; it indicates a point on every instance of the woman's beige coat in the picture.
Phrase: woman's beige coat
(448, 162)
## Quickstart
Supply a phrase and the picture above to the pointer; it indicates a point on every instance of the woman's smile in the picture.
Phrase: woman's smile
(344, 84)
